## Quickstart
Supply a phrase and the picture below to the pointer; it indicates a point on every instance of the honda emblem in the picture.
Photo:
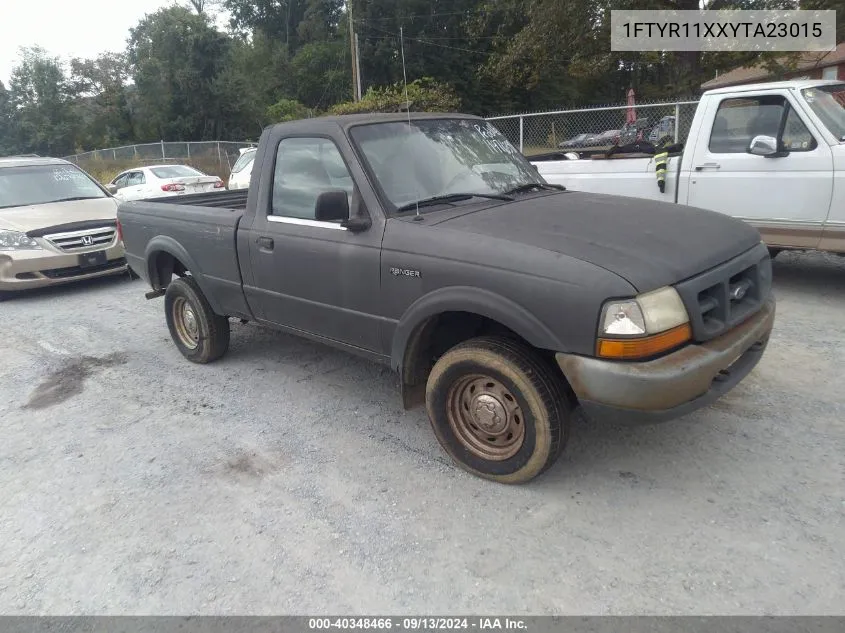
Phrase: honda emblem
(87, 240)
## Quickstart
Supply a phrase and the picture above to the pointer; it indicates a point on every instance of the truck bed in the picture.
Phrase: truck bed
(200, 230)
(632, 175)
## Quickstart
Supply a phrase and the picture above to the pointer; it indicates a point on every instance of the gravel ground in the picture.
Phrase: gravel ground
(286, 478)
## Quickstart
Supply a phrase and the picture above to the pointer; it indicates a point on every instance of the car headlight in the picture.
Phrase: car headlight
(16, 241)
(644, 326)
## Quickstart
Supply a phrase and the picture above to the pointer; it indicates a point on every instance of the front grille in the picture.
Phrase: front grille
(80, 240)
(727, 295)
(75, 271)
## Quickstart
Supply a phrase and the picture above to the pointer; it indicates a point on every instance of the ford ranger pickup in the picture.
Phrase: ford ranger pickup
(503, 303)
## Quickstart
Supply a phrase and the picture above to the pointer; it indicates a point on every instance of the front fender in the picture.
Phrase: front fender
(476, 301)
(165, 244)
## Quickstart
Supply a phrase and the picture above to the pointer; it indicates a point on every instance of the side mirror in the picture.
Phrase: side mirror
(764, 146)
(112, 189)
(332, 206)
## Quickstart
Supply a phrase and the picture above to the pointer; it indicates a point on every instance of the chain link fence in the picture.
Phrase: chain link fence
(579, 129)
(596, 128)
(211, 157)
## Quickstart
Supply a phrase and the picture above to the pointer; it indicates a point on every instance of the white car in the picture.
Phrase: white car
(160, 181)
(242, 169)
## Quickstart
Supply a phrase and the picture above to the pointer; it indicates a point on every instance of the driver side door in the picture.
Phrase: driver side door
(786, 197)
(314, 276)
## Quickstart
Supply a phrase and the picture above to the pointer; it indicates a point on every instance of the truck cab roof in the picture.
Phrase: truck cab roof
(348, 120)
(797, 84)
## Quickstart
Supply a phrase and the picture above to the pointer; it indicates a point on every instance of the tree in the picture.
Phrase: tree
(320, 74)
(176, 56)
(7, 142)
(255, 74)
(276, 19)
(437, 44)
(558, 50)
(40, 100)
(99, 86)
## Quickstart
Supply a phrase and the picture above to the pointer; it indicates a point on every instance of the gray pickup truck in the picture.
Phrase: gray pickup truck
(427, 242)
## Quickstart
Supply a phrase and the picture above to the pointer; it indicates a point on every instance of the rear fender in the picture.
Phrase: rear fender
(165, 244)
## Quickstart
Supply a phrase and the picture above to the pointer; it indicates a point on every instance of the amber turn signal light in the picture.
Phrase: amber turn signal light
(630, 348)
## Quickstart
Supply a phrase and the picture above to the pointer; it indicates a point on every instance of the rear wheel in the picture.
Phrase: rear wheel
(498, 409)
(201, 335)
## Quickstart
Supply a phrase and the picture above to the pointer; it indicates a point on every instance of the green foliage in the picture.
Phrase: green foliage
(319, 75)
(176, 56)
(40, 98)
(287, 110)
(424, 95)
(182, 78)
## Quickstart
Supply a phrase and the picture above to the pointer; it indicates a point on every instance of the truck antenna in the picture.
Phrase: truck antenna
(407, 102)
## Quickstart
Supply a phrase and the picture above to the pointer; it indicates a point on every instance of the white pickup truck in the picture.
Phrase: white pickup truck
(771, 154)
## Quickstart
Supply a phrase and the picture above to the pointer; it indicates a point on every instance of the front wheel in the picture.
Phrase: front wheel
(498, 409)
(201, 335)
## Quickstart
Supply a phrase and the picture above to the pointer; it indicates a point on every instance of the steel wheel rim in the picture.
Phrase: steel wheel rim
(485, 417)
(186, 322)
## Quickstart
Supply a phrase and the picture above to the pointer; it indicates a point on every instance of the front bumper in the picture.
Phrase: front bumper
(27, 269)
(673, 385)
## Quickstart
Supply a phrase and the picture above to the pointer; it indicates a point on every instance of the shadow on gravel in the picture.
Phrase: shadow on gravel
(809, 273)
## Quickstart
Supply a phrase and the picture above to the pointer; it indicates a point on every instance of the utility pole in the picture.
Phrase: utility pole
(358, 68)
(356, 95)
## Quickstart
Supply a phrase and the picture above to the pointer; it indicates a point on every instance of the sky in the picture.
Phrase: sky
(68, 28)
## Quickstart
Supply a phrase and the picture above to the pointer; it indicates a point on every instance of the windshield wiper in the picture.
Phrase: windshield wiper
(452, 197)
(534, 186)
(73, 198)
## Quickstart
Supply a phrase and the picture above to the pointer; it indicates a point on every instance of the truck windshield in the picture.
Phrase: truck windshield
(828, 102)
(429, 158)
(43, 184)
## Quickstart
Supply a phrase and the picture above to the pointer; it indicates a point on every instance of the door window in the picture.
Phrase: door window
(136, 178)
(120, 181)
(739, 120)
(305, 168)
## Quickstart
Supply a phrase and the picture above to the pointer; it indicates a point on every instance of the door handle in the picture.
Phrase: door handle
(265, 243)
(704, 166)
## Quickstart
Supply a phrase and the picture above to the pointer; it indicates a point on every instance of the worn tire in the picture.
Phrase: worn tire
(539, 394)
(212, 330)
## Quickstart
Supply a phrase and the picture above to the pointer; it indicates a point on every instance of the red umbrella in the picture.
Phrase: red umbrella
(631, 113)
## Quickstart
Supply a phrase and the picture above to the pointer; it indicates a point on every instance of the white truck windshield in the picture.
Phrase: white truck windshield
(828, 103)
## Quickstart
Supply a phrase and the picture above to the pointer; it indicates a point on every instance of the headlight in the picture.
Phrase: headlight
(644, 326)
(16, 241)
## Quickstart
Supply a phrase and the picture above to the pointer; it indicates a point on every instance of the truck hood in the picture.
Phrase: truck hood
(41, 216)
(650, 244)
